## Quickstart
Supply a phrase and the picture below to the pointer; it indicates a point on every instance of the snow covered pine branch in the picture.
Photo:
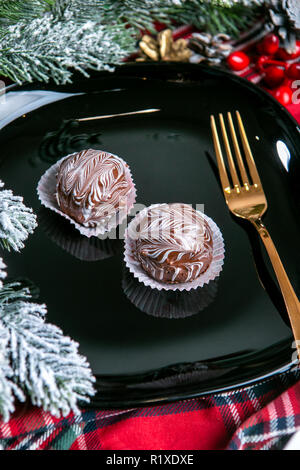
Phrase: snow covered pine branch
(16, 220)
(50, 39)
(36, 359)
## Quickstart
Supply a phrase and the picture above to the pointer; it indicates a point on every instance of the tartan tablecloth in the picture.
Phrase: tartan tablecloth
(262, 416)
(258, 417)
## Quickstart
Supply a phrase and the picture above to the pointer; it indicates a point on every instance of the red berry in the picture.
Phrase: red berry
(284, 55)
(270, 44)
(284, 95)
(264, 61)
(261, 61)
(293, 72)
(238, 60)
(274, 76)
(287, 82)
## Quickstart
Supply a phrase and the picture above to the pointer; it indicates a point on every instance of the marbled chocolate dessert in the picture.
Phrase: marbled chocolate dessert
(173, 243)
(92, 186)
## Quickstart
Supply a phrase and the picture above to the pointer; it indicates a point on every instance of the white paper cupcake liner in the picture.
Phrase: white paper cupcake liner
(46, 190)
(65, 235)
(211, 273)
(168, 304)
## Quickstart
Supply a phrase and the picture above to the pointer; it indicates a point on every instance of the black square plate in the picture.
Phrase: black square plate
(243, 334)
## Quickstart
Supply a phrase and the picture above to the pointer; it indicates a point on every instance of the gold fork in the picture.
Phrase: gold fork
(247, 200)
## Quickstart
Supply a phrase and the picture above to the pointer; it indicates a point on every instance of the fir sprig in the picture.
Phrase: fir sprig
(36, 359)
(49, 39)
(212, 15)
(2, 272)
(45, 48)
(16, 220)
(12, 11)
(45, 364)
(8, 389)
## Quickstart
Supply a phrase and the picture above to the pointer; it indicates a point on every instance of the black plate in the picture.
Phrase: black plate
(242, 334)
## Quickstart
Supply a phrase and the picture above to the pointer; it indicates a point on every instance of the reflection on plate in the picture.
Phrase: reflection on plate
(67, 237)
(66, 140)
(169, 154)
(168, 304)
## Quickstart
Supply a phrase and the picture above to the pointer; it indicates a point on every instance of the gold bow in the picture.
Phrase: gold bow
(164, 48)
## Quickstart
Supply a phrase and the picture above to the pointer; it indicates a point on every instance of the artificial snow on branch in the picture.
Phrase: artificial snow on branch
(49, 39)
(16, 220)
(2, 272)
(36, 359)
(13, 10)
(50, 47)
(8, 389)
(211, 15)
(43, 363)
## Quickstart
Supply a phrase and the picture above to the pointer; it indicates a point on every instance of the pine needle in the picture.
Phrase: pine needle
(50, 39)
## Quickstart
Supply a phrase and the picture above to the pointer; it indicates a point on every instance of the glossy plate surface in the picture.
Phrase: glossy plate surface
(241, 334)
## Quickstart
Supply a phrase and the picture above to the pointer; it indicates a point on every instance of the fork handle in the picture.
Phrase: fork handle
(291, 301)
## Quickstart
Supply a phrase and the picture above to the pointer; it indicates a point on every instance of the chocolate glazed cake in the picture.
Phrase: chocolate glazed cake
(92, 186)
(173, 243)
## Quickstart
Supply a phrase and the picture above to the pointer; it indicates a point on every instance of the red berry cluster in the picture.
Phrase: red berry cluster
(272, 63)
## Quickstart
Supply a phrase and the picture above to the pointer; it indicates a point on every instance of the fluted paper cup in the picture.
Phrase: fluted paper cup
(65, 235)
(167, 304)
(211, 273)
(46, 190)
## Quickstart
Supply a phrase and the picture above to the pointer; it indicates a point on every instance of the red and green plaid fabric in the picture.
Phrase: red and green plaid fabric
(262, 416)
(259, 417)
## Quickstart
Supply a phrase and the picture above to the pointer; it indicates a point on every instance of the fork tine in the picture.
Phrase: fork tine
(244, 176)
(220, 160)
(231, 163)
(249, 157)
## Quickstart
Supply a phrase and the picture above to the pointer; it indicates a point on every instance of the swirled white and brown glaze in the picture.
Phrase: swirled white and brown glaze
(172, 242)
(92, 186)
